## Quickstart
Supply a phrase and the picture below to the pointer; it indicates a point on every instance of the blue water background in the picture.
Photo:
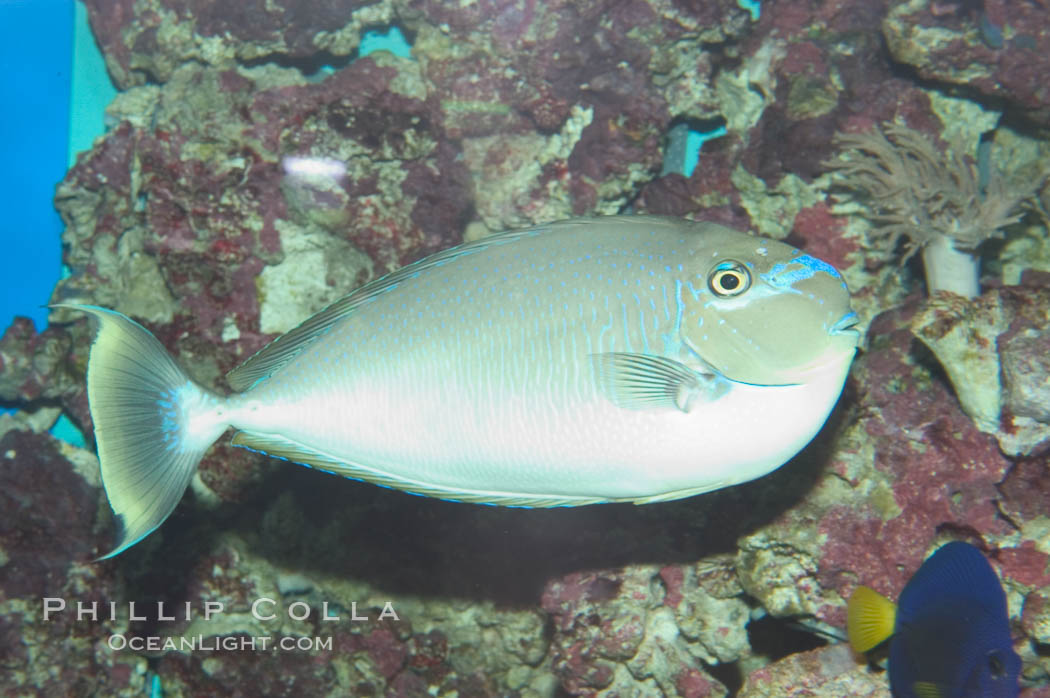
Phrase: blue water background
(36, 58)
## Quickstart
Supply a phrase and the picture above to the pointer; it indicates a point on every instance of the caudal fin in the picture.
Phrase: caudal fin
(152, 423)
(870, 618)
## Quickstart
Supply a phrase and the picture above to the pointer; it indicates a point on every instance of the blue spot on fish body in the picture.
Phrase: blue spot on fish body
(818, 265)
(785, 276)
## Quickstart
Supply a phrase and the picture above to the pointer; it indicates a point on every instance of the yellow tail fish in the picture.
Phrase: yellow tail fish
(620, 359)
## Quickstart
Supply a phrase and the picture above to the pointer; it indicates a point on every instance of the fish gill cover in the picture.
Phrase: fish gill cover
(194, 215)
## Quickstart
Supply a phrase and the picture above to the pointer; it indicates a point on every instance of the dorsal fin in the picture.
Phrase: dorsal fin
(263, 363)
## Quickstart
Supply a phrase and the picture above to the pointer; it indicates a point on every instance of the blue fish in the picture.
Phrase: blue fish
(949, 634)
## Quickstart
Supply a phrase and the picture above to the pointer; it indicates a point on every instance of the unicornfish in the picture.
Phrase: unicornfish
(618, 359)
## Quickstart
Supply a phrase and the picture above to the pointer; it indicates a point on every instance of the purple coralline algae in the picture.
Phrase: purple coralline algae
(32, 364)
(827, 671)
(993, 47)
(647, 630)
(48, 526)
(257, 168)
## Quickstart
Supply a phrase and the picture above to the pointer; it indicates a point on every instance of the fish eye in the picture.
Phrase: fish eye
(996, 665)
(729, 278)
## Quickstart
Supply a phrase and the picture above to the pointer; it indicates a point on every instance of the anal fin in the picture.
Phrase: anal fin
(288, 449)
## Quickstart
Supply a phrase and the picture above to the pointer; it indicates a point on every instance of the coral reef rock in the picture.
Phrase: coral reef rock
(258, 166)
(826, 671)
(991, 46)
(994, 349)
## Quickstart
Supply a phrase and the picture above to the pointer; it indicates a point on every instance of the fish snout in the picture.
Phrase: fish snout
(846, 325)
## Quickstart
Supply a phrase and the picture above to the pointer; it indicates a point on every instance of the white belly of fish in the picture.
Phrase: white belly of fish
(551, 442)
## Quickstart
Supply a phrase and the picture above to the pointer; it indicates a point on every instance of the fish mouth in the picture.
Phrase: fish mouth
(846, 325)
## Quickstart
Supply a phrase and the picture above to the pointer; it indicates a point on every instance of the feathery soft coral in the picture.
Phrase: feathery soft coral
(937, 201)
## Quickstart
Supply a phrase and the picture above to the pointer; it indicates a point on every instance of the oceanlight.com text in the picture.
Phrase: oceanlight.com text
(228, 643)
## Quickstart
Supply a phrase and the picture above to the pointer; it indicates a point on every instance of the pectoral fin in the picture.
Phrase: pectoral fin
(642, 381)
